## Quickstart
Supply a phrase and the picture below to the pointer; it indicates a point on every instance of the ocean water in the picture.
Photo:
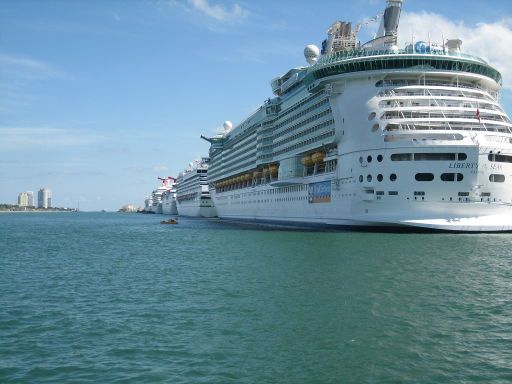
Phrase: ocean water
(119, 298)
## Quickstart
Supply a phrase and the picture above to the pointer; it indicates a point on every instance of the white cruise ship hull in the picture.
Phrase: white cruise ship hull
(455, 222)
(196, 208)
(169, 207)
(347, 197)
(192, 195)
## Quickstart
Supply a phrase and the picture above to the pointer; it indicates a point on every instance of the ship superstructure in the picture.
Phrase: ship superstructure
(163, 199)
(193, 195)
(373, 135)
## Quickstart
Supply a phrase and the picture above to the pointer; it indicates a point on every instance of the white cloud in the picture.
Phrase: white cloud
(16, 74)
(160, 168)
(26, 68)
(220, 13)
(490, 41)
(14, 138)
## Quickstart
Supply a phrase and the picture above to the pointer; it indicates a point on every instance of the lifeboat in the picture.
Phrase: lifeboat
(273, 169)
(257, 174)
(318, 157)
(307, 161)
(247, 176)
(170, 221)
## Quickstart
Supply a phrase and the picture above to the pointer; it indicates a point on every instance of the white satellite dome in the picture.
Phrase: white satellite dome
(228, 125)
(311, 53)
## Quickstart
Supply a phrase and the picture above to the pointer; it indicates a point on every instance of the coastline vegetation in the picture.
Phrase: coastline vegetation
(17, 208)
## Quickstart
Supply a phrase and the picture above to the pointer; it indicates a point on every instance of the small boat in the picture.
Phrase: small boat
(170, 221)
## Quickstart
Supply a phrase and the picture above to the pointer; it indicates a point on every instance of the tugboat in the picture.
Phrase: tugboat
(170, 221)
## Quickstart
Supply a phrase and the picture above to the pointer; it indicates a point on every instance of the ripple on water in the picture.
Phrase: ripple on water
(120, 298)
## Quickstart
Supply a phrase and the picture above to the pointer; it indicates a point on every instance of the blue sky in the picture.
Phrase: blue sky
(98, 98)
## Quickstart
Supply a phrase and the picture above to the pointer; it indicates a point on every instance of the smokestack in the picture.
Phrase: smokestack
(392, 17)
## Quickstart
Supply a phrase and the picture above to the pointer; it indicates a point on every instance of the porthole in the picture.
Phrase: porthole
(392, 177)
(424, 177)
(369, 159)
(496, 178)
(452, 176)
(375, 127)
(369, 178)
(360, 159)
(360, 178)
(401, 157)
(380, 177)
(379, 158)
(371, 116)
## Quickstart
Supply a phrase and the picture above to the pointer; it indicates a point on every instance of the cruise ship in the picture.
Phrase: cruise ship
(192, 194)
(163, 199)
(372, 135)
(169, 205)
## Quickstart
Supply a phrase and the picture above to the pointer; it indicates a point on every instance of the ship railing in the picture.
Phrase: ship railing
(419, 83)
(429, 126)
(357, 53)
(403, 115)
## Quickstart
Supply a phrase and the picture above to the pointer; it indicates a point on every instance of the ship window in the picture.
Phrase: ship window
(500, 158)
(375, 127)
(371, 116)
(361, 159)
(392, 177)
(434, 156)
(496, 178)
(462, 156)
(393, 193)
(401, 157)
(360, 178)
(452, 176)
(463, 193)
(379, 193)
(369, 159)
(424, 177)
(379, 158)
(380, 177)
(369, 178)
(485, 194)
(419, 193)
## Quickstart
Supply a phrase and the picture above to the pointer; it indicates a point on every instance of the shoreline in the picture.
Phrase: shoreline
(36, 211)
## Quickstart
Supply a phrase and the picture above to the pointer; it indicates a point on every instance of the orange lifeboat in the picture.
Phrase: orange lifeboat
(318, 157)
(307, 161)
(273, 169)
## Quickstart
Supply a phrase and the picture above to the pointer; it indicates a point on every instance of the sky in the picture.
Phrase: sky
(99, 98)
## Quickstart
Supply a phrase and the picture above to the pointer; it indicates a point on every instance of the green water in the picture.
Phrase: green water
(102, 298)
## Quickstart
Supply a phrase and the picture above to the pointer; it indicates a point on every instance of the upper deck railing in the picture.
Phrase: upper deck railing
(359, 60)
(358, 53)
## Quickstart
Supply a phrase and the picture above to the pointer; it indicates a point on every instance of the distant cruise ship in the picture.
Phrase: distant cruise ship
(163, 199)
(372, 135)
(193, 196)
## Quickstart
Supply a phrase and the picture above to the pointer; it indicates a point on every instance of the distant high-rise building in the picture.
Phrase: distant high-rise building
(30, 198)
(44, 198)
(23, 199)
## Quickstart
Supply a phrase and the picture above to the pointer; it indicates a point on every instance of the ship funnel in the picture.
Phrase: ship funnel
(392, 18)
